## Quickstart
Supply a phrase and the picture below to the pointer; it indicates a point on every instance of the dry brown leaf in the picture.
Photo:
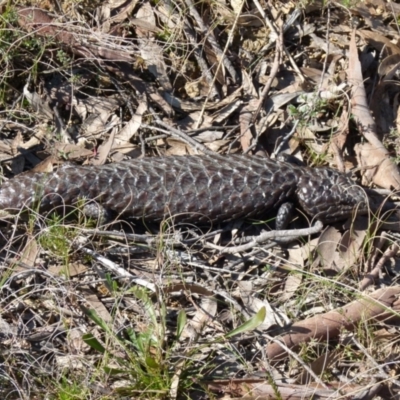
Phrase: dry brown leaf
(124, 9)
(217, 146)
(72, 151)
(127, 73)
(308, 135)
(292, 283)
(150, 51)
(39, 21)
(73, 269)
(95, 304)
(339, 139)
(95, 112)
(297, 256)
(372, 20)
(38, 104)
(385, 173)
(379, 168)
(330, 324)
(326, 249)
(225, 112)
(41, 131)
(389, 66)
(378, 41)
(195, 120)
(261, 389)
(351, 243)
(320, 43)
(29, 254)
(189, 106)
(205, 313)
(45, 166)
(253, 305)
(104, 150)
(245, 122)
(209, 136)
(319, 366)
(178, 148)
(131, 128)
(75, 341)
(359, 102)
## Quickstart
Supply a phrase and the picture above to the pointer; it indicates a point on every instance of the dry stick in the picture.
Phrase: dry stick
(327, 50)
(285, 139)
(387, 255)
(182, 136)
(121, 272)
(288, 24)
(149, 240)
(263, 237)
(296, 357)
(274, 71)
(333, 322)
(190, 34)
(200, 60)
(208, 33)
(273, 30)
(267, 87)
(371, 359)
(231, 33)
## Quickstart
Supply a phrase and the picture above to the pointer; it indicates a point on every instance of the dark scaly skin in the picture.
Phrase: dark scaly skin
(198, 188)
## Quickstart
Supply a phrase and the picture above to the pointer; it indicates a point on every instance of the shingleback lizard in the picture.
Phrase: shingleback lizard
(198, 188)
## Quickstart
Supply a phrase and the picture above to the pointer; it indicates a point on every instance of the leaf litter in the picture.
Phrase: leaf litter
(132, 311)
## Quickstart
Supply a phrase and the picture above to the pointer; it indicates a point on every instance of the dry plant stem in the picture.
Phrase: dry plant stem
(290, 352)
(121, 272)
(182, 136)
(200, 60)
(263, 237)
(321, 81)
(387, 255)
(208, 33)
(285, 139)
(104, 46)
(150, 240)
(273, 30)
(371, 359)
(274, 71)
(231, 33)
(338, 157)
(330, 324)
(260, 389)
(288, 24)
(379, 242)
(25, 274)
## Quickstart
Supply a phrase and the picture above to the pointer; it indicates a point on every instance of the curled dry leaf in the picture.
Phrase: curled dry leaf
(131, 128)
(253, 305)
(330, 324)
(385, 172)
(326, 248)
(150, 51)
(378, 167)
(297, 256)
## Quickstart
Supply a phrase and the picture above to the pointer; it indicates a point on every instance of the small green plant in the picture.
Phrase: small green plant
(13, 40)
(57, 237)
(146, 357)
(311, 106)
(71, 390)
(63, 58)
